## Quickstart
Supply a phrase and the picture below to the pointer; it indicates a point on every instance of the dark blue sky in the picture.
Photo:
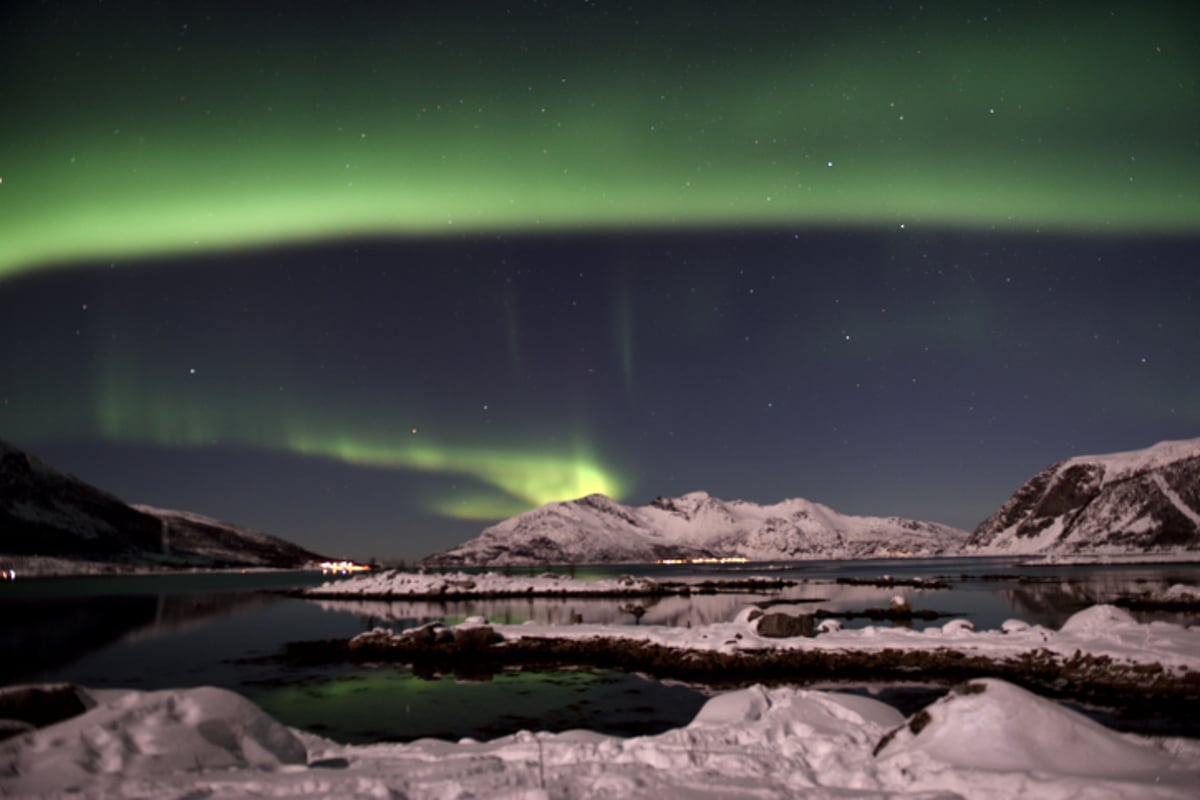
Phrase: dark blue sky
(922, 374)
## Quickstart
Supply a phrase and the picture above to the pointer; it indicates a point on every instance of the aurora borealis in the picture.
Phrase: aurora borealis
(135, 128)
(376, 273)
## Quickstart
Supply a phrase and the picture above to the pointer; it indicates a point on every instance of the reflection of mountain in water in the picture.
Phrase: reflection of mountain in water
(673, 610)
(179, 612)
(41, 633)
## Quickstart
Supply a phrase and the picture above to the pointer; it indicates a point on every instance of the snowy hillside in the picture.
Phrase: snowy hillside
(205, 537)
(1142, 501)
(48, 513)
(595, 529)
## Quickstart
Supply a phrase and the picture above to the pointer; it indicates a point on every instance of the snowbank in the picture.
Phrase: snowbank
(151, 736)
(784, 742)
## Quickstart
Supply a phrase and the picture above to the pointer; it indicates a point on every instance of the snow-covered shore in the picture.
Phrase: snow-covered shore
(989, 739)
(395, 584)
(1099, 631)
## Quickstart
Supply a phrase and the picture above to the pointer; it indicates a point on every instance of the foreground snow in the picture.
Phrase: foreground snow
(989, 740)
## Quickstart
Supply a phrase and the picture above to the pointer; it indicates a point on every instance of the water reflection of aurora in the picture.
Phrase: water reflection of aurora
(395, 705)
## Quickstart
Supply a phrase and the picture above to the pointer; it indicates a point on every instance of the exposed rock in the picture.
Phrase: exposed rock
(785, 626)
(475, 638)
(887, 581)
(39, 706)
(890, 614)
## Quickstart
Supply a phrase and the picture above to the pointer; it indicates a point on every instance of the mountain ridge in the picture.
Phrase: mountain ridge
(1136, 501)
(597, 529)
(45, 512)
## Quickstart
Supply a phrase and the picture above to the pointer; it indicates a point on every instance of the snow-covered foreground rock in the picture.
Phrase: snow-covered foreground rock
(989, 740)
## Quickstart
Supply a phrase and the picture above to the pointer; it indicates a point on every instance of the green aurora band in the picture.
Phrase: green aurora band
(517, 480)
(250, 134)
(510, 478)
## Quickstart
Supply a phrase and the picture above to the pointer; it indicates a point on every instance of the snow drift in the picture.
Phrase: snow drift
(989, 739)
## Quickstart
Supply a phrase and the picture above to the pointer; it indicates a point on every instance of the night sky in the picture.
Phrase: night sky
(370, 276)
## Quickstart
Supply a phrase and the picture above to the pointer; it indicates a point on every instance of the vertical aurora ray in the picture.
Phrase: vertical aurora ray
(623, 331)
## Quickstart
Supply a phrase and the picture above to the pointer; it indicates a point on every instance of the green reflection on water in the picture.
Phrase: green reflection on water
(374, 705)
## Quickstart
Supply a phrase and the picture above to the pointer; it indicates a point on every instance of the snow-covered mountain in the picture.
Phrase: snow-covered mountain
(1143, 501)
(46, 512)
(596, 529)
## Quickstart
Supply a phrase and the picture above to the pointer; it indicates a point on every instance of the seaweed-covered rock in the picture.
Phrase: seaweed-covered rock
(785, 626)
(475, 637)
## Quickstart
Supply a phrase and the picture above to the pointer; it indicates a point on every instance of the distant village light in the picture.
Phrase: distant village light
(342, 567)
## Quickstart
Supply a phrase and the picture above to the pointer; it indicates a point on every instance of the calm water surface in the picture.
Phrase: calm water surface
(154, 632)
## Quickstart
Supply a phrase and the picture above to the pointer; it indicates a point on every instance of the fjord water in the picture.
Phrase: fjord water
(152, 632)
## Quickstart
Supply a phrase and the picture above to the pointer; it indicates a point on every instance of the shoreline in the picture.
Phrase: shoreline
(461, 588)
(37, 566)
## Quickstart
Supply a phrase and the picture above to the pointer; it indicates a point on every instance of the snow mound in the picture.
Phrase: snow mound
(150, 733)
(1181, 591)
(745, 705)
(957, 626)
(992, 725)
(1097, 620)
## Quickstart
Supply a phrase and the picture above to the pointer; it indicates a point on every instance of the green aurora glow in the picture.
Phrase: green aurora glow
(1039, 119)
(512, 477)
